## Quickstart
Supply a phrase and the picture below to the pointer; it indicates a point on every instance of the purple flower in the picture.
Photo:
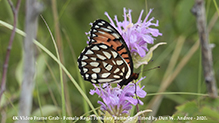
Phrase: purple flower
(117, 101)
(136, 35)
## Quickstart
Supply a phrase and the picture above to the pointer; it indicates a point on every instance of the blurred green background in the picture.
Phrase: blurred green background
(176, 23)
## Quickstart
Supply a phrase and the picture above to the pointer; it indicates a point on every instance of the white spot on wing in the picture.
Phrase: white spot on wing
(123, 69)
(101, 57)
(94, 35)
(105, 29)
(104, 64)
(108, 55)
(92, 40)
(119, 62)
(85, 70)
(94, 64)
(105, 80)
(94, 76)
(95, 48)
(103, 46)
(114, 54)
(94, 30)
(83, 64)
(83, 50)
(128, 74)
(100, 24)
(89, 52)
(117, 70)
(93, 58)
(86, 76)
(110, 28)
(101, 32)
(117, 81)
(115, 35)
(94, 81)
(96, 26)
(109, 67)
(116, 76)
(84, 57)
(114, 62)
(105, 75)
(96, 70)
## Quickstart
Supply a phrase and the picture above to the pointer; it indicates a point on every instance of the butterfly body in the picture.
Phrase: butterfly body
(107, 58)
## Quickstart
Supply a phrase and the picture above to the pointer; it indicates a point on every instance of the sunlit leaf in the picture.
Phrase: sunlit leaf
(138, 61)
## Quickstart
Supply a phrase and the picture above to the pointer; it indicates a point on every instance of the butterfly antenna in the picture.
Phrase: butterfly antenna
(150, 61)
(151, 68)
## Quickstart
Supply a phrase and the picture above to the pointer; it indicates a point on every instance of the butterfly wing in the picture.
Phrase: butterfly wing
(103, 32)
(107, 58)
(100, 63)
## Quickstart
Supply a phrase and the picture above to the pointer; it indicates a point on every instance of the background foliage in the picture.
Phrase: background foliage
(176, 22)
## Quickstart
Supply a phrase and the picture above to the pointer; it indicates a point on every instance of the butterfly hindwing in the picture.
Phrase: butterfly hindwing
(99, 63)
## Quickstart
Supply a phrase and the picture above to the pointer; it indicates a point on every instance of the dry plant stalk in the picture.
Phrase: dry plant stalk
(5, 66)
(33, 9)
(207, 64)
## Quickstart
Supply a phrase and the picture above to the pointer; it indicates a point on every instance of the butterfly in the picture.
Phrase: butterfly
(107, 58)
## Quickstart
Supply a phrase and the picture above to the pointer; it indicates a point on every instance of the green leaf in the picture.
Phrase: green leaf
(209, 112)
(190, 108)
(138, 61)
(205, 111)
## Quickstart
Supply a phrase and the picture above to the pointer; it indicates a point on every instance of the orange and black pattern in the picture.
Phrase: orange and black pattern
(107, 58)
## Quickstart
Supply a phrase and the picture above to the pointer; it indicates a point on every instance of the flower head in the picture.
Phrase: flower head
(117, 101)
(136, 35)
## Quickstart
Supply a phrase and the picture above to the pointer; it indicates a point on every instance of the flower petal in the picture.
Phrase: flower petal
(137, 35)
